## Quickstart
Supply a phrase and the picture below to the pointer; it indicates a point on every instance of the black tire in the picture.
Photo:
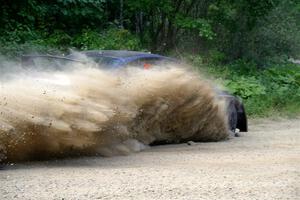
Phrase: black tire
(232, 116)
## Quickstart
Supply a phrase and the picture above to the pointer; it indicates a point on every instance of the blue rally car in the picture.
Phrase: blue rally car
(112, 59)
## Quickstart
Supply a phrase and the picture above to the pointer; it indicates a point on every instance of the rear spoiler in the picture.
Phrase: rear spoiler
(27, 60)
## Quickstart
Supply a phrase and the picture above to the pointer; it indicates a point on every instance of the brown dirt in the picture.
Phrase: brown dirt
(93, 111)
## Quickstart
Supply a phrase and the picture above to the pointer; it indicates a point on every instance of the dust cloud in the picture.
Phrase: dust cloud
(91, 111)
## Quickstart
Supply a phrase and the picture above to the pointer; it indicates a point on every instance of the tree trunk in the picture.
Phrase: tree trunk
(121, 14)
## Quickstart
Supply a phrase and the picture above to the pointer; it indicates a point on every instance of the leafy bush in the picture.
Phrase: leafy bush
(288, 75)
(15, 44)
(201, 26)
(216, 57)
(245, 87)
(57, 39)
(265, 92)
(112, 38)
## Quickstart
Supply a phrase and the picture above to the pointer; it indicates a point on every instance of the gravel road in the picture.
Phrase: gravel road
(261, 164)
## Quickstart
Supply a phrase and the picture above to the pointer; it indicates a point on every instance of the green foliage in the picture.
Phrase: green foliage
(14, 50)
(265, 92)
(224, 30)
(52, 15)
(275, 36)
(245, 87)
(288, 76)
(110, 39)
(259, 31)
(216, 57)
(195, 60)
(22, 41)
(60, 41)
(202, 26)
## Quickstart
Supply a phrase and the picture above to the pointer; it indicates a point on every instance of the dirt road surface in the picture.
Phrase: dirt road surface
(262, 164)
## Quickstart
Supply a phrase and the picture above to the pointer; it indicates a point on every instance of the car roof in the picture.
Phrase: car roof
(121, 57)
(118, 53)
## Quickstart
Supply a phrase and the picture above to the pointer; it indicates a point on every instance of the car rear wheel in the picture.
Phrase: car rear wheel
(232, 117)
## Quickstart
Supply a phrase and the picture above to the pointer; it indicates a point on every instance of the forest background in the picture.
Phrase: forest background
(245, 45)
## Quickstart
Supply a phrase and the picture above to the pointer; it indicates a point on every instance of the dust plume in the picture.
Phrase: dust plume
(91, 111)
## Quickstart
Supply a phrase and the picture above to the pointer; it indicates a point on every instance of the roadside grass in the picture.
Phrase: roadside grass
(273, 91)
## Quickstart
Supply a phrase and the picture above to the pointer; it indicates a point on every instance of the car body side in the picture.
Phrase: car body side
(236, 113)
